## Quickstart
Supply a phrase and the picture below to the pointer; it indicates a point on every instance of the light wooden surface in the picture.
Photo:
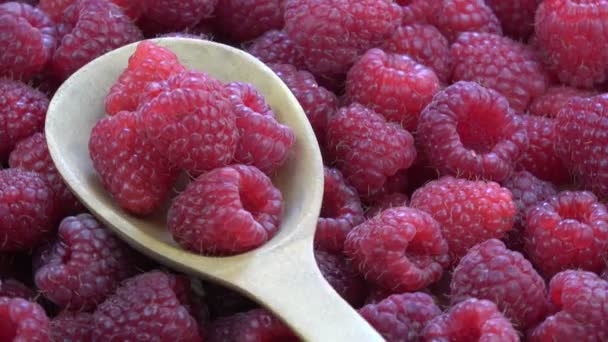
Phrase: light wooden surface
(282, 275)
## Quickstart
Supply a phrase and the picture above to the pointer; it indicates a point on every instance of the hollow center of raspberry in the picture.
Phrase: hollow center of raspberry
(8, 330)
(253, 203)
(479, 134)
(577, 213)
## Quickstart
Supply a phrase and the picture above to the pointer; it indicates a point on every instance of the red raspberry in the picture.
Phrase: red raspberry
(149, 306)
(240, 195)
(223, 301)
(84, 265)
(401, 317)
(392, 85)
(578, 56)
(22, 113)
(367, 149)
(331, 34)
(72, 326)
(500, 63)
(254, 325)
(132, 8)
(28, 40)
(387, 201)
(490, 271)
(28, 208)
(167, 15)
(55, 8)
(555, 98)
(471, 320)
(14, 288)
(418, 12)
(276, 47)
(424, 44)
(400, 249)
(242, 20)
(22, 320)
(582, 130)
(318, 103)
(582, 308)
(569, 230)
(469, 212)
(149, 63)
(130, 168)
(264, 142)
(516, 16)
(340, 212)
(470, 131)
(32, 154)
(90, 29)
(191, 122)
(453, 17)
(340, 274)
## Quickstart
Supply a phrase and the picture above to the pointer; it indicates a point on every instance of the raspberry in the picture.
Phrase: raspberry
(28, 210)
(130, 168)
(470, 131)
(276, 47)
(167, 15)
(84, 265)
(55, 8)
(342, 277)
(72, 326)
(424, 44)
(582, 130)
(22, 113)
(555, 98)
(242, 20)
(32, 154)
(471, 320)
(500, 63)
(223, 301)
(400, 249)
(387, 201)
(191, 122)
(418, 12)
(516, 17)
(28, 40)
(582, 308)
(229, 210)
(149, 306)
(22, 320)
(367, 149)
(90, 29)
(569, 230)
(469, 212)
(340, 212)
(253, 325)
(392, 85)
(331, 34)
(15, 288)
(571, 38)
(453, 17)
(149, 63)
(264, 142)
(318, 103)
(401, 317)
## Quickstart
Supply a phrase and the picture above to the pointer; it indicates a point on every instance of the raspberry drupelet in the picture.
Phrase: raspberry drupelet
(453, 17)
(72, 326)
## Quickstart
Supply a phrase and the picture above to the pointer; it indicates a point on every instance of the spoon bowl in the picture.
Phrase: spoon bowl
(282, 275)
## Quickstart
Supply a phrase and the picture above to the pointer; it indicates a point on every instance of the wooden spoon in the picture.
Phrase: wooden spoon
(282, 275)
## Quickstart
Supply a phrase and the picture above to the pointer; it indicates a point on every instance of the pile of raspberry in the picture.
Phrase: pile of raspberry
(466, 173)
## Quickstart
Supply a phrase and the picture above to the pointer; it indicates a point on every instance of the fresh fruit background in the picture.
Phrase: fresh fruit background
(466, 167)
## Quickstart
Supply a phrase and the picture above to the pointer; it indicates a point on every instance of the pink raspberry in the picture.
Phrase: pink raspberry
(331, 34)
(367, 149)
(14, 288)
(276, 47)
(191, 122)
(555, 98)
(579, 56)
(470, 131)
(149, 306)
(401, 317)
(393, 85)
(424, 44)
(28, 40)
(478, 211)
(167, 15)
(340, 212)
(55, 8)
(340, 274)
(581, 309)
(264, 142)
(240, 195)
(471, 320)
(29, 210)
(72, 326)
(84, 265)
(516, 16)
(242, 20)
(137, 176)
(387, 201)
(253, 325)
(418, 12)
(453, 17)
(22, 113)
(400, 249)
(497, 62)
(22, 320)
(569, 230)
(90, 28)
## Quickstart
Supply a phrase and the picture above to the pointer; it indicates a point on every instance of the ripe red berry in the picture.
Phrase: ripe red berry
(72, 326)
(276, 47)
(387, 201)
(555, 98)
(242, 20)
(516, 16)
(22, 320)
(55, 8)
(418, 12)
(340, 274)
(14, 288)
(453, 17)
(253, 325)
(167, 15)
